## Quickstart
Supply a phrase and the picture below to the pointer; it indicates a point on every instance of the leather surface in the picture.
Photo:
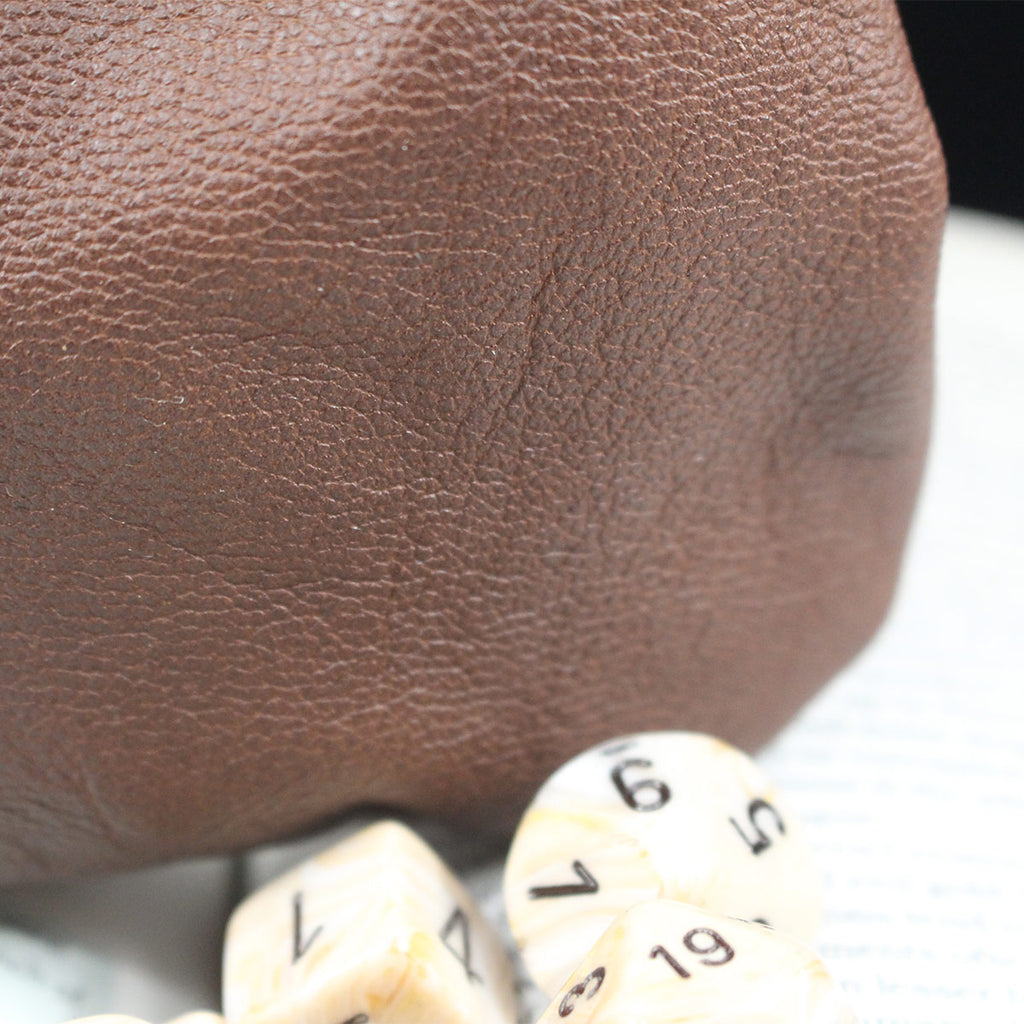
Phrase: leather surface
(398, 397)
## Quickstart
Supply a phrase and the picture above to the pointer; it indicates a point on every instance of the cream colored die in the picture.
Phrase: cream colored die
(376, 930)
(670, 815)
(664, 962)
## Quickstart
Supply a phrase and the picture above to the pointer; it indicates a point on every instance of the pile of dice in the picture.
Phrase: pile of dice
(657, 878)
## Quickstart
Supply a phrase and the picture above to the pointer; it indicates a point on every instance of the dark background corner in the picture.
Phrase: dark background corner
(970, 57)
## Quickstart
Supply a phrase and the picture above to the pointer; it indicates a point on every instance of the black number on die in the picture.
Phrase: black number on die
(670, 960)
(763, 840)
(718, 945)
(299, 945)
(565, 1007)
(458, 920)
(628, 791)
(703, 950)
(587, 884)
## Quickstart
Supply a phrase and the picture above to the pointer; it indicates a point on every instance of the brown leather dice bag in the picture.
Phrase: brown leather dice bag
(399, 397)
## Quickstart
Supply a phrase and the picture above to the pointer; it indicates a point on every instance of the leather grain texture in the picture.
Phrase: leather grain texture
(399, 397)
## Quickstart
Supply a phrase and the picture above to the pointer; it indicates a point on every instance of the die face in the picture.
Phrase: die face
(665, 962)
(703, 826)
(572, 892)
(374, 931)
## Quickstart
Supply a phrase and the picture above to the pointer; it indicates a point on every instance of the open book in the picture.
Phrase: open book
(908, 768)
